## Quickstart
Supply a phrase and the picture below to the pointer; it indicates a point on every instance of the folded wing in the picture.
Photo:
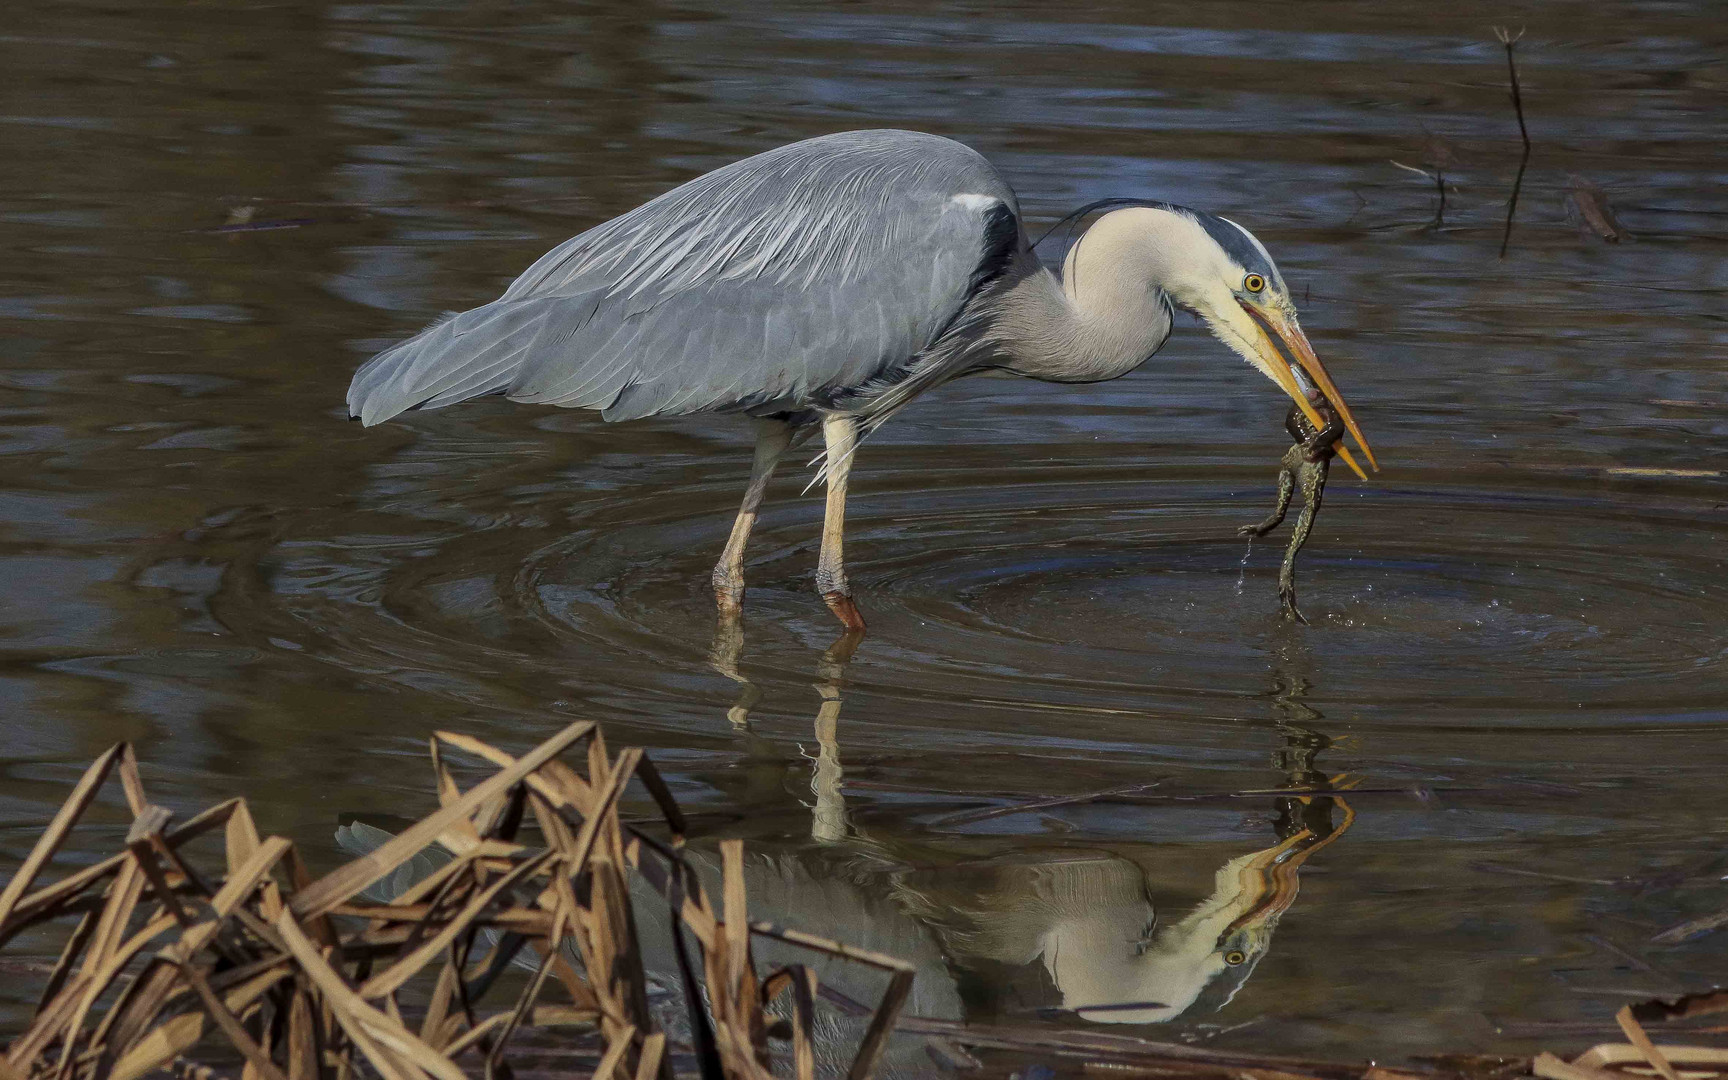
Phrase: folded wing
(776, 283)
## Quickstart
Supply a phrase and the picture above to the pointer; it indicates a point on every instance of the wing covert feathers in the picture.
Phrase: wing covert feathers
(786, 281)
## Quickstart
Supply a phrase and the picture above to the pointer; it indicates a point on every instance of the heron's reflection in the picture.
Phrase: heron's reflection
(1086, 932)
(828, 814)
(1091, 932)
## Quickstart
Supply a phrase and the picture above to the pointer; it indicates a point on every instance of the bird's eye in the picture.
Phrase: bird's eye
(1236, 956)
(1253, 283)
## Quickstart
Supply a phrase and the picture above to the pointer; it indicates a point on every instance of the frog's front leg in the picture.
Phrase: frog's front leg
(1286, 486)
(1319, 445)
(1311, 478)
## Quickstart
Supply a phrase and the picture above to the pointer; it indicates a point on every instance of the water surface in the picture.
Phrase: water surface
(1516, 669)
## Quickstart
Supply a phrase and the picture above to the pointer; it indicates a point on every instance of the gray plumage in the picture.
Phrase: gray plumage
(1240, 244)
(832, 281)
(798, 279)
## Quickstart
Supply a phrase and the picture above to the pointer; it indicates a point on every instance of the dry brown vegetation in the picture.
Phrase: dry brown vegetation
(303, 979)
(194, 961)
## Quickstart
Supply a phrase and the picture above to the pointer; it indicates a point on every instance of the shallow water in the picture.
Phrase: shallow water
(1517, 659)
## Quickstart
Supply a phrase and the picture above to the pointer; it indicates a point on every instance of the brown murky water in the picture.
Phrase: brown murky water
(1519, 659)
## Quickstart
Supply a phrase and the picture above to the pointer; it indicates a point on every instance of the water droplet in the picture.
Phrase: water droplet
(1242, 570)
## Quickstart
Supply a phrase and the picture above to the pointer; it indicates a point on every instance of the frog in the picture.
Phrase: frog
(1303, 468)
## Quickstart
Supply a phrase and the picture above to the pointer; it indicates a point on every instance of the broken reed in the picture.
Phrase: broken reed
(303, 979)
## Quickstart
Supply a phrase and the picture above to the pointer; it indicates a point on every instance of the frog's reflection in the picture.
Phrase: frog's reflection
(1073, 930)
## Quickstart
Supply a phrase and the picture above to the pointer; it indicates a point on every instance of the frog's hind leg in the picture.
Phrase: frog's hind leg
(1313, 489)
(1286, 485)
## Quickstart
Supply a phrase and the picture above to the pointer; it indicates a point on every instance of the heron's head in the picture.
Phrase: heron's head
(1215, 268)
(1175, 977)
(1196, 963)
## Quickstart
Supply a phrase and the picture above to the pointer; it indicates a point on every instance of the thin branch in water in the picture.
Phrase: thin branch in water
(1510, 40)
(1361, 204)
(1438, 155)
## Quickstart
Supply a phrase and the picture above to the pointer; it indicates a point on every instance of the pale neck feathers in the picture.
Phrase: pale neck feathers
(1112, 308)
(1088, 959)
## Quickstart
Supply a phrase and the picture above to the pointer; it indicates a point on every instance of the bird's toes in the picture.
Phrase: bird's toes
(844, 610)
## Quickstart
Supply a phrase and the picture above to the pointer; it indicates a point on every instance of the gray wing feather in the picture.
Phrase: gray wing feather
(780, 281)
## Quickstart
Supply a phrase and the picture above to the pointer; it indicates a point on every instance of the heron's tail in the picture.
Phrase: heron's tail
(461, 356)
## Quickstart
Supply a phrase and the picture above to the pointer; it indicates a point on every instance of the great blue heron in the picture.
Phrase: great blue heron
(830, 282)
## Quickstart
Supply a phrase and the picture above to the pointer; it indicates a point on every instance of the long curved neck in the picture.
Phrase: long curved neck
(1102, 320)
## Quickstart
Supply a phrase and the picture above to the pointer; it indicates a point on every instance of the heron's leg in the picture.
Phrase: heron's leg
(1286, 485)
(841, 435)
(772, 438)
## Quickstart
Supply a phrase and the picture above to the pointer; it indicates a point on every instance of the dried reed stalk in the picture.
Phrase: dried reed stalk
(302, 979)
(173, 961)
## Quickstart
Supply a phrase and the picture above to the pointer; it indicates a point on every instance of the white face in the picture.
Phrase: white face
(1230, 322)
(1213, 267)
(1247, 307)
(1198, 275)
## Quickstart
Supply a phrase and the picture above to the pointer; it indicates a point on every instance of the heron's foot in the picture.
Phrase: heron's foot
(1262, 528)
(1288, 597)
(845, 610)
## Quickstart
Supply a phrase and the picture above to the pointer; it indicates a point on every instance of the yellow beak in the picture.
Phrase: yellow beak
(1271, 875)
(1273, 322)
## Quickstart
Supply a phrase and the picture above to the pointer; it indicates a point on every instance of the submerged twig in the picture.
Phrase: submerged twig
(1691, 928)
(1510, 40)
(972, 817)
(1593, 209)
(1439, 178)
(1684, 1007)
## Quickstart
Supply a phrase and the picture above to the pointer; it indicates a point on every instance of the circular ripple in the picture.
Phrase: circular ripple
(1061, 585)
